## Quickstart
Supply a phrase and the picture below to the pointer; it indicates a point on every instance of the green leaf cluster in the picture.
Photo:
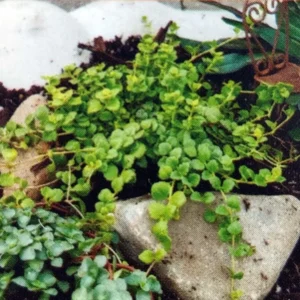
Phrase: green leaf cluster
(110, 121)
(39, 249)
(94, 282)
(35, 246)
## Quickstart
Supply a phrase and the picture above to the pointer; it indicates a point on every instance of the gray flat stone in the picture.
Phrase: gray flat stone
(196, 266)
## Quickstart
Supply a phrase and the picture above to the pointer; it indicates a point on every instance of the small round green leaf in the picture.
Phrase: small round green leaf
(210, 216)
(164, 149)
(147, 257)
(164, 172)
(235, 228)
(160, 190)
(222, 210)
(117, 184)
(228, 185)
(106, 196)
(94, 106)
(9, 154)
(178, 199)
(156, 210)
(234, 202)
(111, 172)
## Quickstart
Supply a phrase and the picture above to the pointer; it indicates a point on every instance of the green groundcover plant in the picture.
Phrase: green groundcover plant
(51, 255)
(111, 121)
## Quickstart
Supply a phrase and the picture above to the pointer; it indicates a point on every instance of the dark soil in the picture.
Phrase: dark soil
(113, 52)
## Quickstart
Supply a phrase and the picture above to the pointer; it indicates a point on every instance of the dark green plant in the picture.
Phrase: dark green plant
(95, 282)
(40, 251)
(35, 247)
(153, 111)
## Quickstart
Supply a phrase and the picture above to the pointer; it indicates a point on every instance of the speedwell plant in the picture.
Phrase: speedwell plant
(154, 111)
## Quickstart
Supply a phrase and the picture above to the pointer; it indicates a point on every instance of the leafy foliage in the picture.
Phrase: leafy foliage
(111, 120)
(39, 249)
(37, 240)
(94, 282)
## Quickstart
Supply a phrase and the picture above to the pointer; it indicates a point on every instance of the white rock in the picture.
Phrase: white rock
(67, 4)
(28, 158)
(37, 39)
(199, 5)
(196, 266)
(27, 107)
(123, 18)
(214, 11)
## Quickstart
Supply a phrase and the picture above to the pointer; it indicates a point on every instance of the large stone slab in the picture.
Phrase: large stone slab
(37, 39)
(123, 18)
(196, 267)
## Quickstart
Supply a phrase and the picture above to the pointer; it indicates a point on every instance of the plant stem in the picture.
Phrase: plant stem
(110, 271)
(290, 160)
(75, 208)
(114, 253)
(150, 268)
(57, 152)
(247, 92)
(68, 194)
(125, 267)
(239, 181)
(279, 126)
(41, 185)
(172, 189)
(233, 262)
(232, 281)
(59, 208)
(194, 58)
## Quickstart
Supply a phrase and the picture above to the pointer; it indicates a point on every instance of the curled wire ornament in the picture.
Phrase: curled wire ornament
(273, 67)
(256, 11)
(271, 6)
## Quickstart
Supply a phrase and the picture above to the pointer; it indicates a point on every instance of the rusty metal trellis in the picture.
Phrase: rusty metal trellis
(273, 67)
